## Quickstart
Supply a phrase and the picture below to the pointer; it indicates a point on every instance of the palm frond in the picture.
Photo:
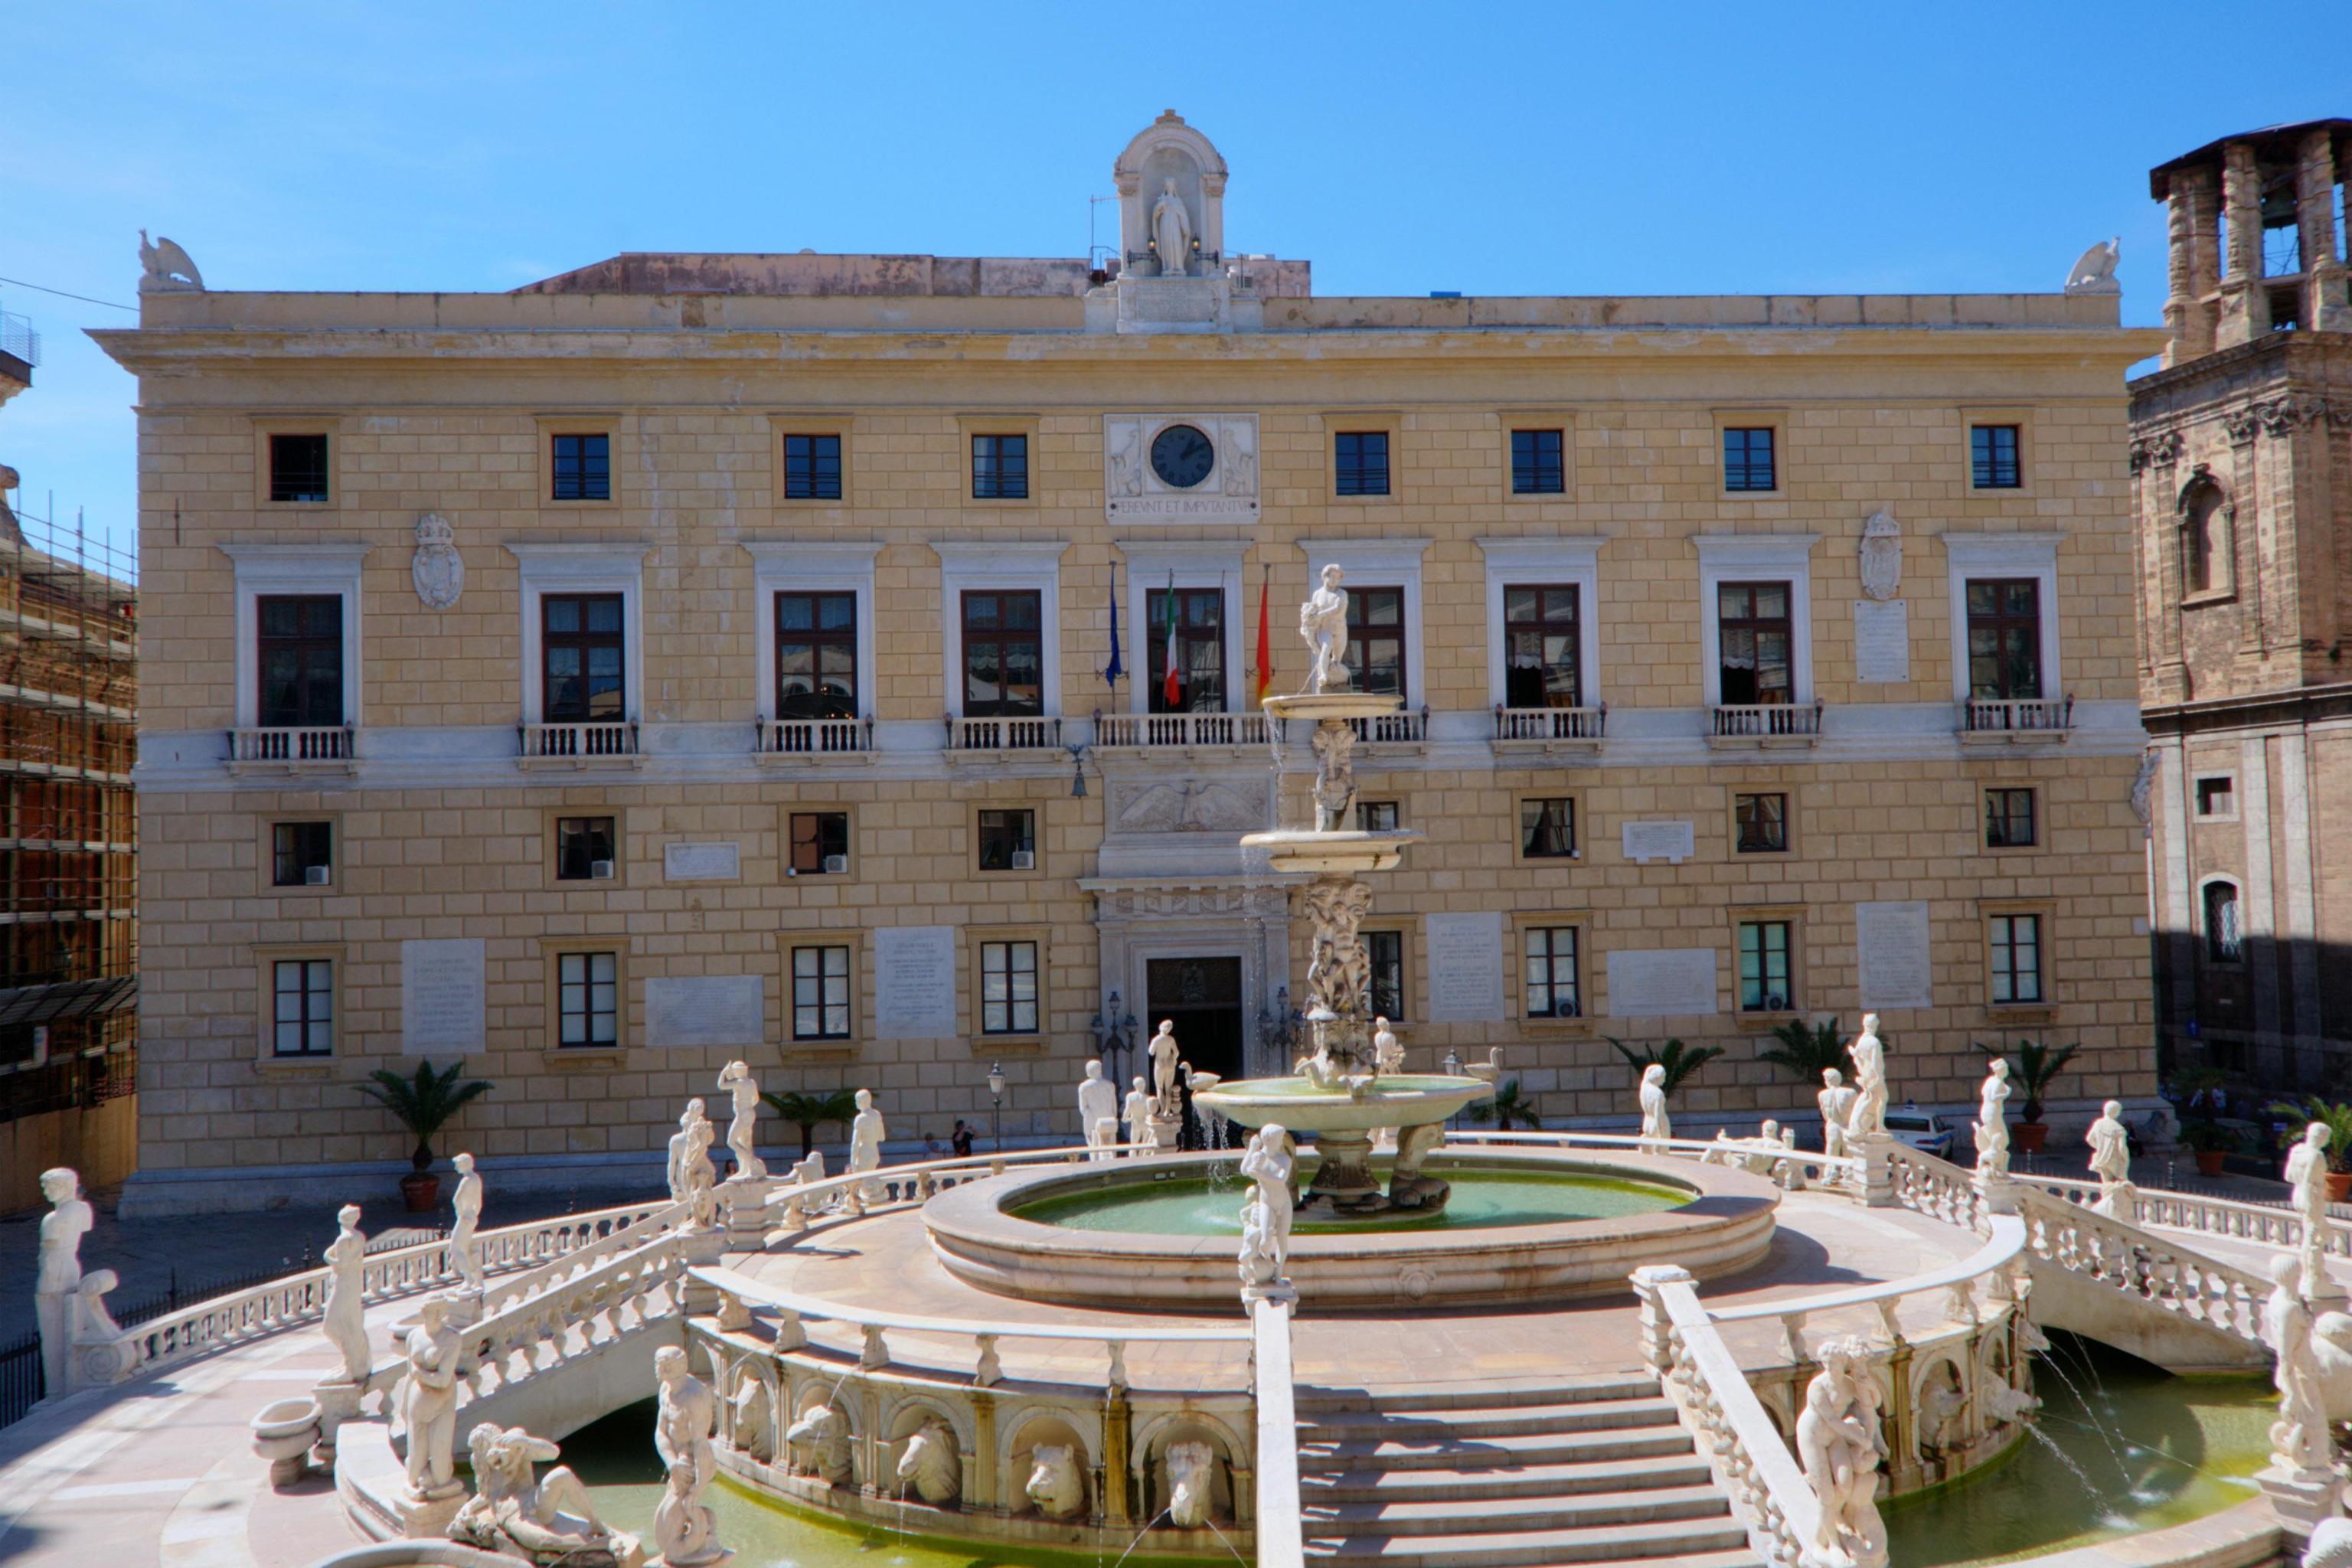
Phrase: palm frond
(1806, 1051)
(424, 1104)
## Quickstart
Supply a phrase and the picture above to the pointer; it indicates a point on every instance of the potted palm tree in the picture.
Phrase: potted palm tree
(1507, 1109)
(2211, 1145)
(2036, 1067)
(1679, 1060)
(811, 1112)
(424, 1105)
(1806, 1051)
(2337, 1119)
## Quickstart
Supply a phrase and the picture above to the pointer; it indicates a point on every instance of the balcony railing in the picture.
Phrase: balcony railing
(813, 738)
(1549, 729)
(1392, 729)
(2019, 720)
(580, 743)
(1765, 724)
(18, 337)
(1004, 734)
(1149, 731)
(330, 746)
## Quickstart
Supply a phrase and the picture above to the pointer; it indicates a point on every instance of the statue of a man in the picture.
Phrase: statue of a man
(2307, 1173)
(464, 1256)
(1163, 1051)
(692, 1177)
(1388, 1054)
(2299, 1440)
(58, 1276)
(1098, 1103)
(2110, 1142)
(1838, 1443)
(1267, 1163)
(1992, 1119)
(1657, 1125)
(1868, 1119)
(1836, 1101)
(344, 1318)
(743, 1132)
(865, 1132)
(1137, 1113)
(1323, 622)
(428, 1403)
(685, 1415)
(1172, 230)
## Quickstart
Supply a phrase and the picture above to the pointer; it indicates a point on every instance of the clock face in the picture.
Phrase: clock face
(1181, 457)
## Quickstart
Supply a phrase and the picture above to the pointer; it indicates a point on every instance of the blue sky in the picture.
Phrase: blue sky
(1494, 149)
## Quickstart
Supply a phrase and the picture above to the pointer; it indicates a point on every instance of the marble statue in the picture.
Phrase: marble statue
(344, 1320)
(2330, 1545)
(1267, 1163)
(683, 1417)
(515, 1510)
(1836, 1101)
(1192, 1484)
(1868, 1118)
(809, 1168)
(1334, 746)
(464, 1255)
(1767, 1157)
(2094, 271)
(2307, 1173)
(1388, 1054)
(1136, 1113)
(743, 1128)
(1163, 1052)
(1323, 622)
(1098, 1103)
(2110, 1142)
(436, 570)
(1942, 1409)
(166, 268)
(1657, 1125)
(693, 1179)
(58, 1280)
(1258, 1264)
(686, 1530)
(1792, 1170)
(427, 1399)
(755, 1433)
(818, 1444)
(1055, 1488)
(866, 1134)
(2299, 1437)
(930, 1465)
(1838, 1443)
(1992, 1121)
(1172, 230)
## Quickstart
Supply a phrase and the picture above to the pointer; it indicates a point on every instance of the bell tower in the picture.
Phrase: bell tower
(2255, 237)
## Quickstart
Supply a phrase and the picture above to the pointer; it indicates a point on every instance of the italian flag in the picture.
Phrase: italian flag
(1173, 689)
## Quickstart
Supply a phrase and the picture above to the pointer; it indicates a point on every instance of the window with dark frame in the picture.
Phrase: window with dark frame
(298, 468)
(1541, 646)
(1008, 987)
(1386, 950)
(1376, 639)
(999, 468)
(1548, 828)
(1749, 461)
(588, 1000)
(1377, 816)
(816, 656)
(821, 992)
(1003, 653)
(581, 842)
(1754, 644)
(1537, 466)
(2217, 796)
(820, 845)
(2016, 959)
(1360, 463)
(1006, 835)
(1764, 984)
(1762, 821)
(811, 468)
(1992, 457)
(298, 655)
(296, 847)
(2010, 819)
(583, 467)
(581, 650)
(2225, 936)
(1551, 972)
(1199, 649)
(303, 1021)
(2004, 639)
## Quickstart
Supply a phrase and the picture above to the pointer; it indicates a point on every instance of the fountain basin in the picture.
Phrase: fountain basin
(1342, 852)
(1396, 1099)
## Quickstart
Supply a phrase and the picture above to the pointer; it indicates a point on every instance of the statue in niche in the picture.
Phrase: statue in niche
(1323, 623)
(1172, 230)
(1882, 555)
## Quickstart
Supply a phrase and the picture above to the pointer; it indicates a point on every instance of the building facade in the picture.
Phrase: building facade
(699, 657)
(2242, 465)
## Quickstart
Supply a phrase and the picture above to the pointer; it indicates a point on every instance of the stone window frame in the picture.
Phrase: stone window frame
(820, 940)
(1036, 810)
(2222, 563)
(2198, 779)
(1581, 825)
(2040, 817)
(550, 851)
(982, 1043)
(1788, 849)
(967, 565)
(267, 956)
(1407, 930)
(1380, 564)
(332, 427)
(621, 447)
(812, 806)
(615, 567)
(265, 866)
(1386, 422)
(1773, 419)
(1794, 917)
(324, 571)
(1196, 565)
(1756, 558)
(971, 424)
(1993, 500)
(1590, 971)
(1983, 557)
(844, 426)
(817, 566)
(1512, 420)
(1403, 819)
(551, 951)
(827, 929)
(2045, 911)
(1564, 560)
(2201, 910)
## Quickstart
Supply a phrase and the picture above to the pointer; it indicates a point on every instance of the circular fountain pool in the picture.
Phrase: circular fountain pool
(1523, 1225)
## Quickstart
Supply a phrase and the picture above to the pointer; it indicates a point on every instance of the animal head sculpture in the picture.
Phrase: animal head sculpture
(931, 1466)
(1192, 1484)
(1055, 1488)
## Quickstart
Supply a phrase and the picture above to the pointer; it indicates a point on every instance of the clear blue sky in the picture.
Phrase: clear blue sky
(1490, 148)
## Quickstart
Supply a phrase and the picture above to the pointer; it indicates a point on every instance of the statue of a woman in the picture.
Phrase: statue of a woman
(2299, 1436)
(428, 1403)
(1657, 1125)
(1838, 1443)
(1267, 1163)
(1992, 1119)
(344, 1322)
(465, 1258)
(1172, 230)
(2307, 1173)
(2110, 1142)
(865, 1132)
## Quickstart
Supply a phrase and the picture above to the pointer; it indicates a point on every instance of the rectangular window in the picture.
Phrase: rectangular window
(811, 468)
(1548, 828)
(1747, 463)
(1992, 457)
(1377, 816)
(580, 646)
(820, 992)
(2016, 959)
(584, 848)
(2217, 796)
(583, 467)
(1386, 949)
(1551, 972)
(301, 853)
(1536, 465)
(1540, 646)
(1004, 655)
(298, 468)
(1199, 649)
(1008, 987)
(1376, 639)
(2004, 639)
(2008, 819)
(300, 654)
(304, 993)
(816, 656)
(1763, 823)
(1360, 463)
(1764, 966)
(1008, 840)
(588, 999)
(1752, 631)
(999, 468)
(820, 843)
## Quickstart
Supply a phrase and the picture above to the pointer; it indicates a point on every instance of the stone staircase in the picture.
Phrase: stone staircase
(1594, 1472)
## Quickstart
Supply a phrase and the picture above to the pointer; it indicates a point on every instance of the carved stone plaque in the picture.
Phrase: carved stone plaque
(1881, 640)
(707, 1010)
(702, 862)
(1466, 968)
(914, 982)
(1133, 493)
(1893, 952)
(441, 997)
(1674, 842)
(1188, 805)
(1661, 982)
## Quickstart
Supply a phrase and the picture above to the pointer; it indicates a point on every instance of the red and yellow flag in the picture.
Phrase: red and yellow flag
(1265, 639)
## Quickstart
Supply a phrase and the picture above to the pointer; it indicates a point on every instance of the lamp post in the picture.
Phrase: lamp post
(995, 1109)
(1278, 1029)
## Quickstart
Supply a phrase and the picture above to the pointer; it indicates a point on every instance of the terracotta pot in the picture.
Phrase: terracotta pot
(2339, 1185)
(421, 1191)
(2208, 1161)
(2029, 1136)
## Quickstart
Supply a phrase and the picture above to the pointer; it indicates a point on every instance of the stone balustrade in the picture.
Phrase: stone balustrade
(2122, 1255)
(1936, 1188)
(1819, 1168)
(580, 1315)
(795, 1203)
(2265, 1225)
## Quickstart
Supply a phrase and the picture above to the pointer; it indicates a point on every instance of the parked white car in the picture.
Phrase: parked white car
(1921, 1129)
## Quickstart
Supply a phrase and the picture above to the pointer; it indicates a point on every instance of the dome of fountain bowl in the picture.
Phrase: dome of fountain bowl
(1395, 1100)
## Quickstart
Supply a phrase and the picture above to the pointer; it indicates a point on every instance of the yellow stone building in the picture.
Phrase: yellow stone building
(700, 656)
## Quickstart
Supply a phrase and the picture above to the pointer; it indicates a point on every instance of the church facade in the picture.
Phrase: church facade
(851, 664)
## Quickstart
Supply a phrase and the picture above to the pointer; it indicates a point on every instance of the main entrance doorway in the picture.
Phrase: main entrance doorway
(1203, 997)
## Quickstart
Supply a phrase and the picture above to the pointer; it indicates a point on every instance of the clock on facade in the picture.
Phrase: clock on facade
(1181, 457)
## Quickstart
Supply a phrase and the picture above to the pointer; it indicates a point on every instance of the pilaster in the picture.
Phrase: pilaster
(2245, 310)
(2324, 305)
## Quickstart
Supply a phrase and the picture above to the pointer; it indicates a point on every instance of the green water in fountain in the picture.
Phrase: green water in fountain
(1189, 1204)
(2125, 1447)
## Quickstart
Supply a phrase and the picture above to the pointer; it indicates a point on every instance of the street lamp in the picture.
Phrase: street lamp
(995, 1107)
(1279, 1028)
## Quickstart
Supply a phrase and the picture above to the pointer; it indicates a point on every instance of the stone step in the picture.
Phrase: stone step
(1510, 1479)
(1685, 1541)
(1488, 1421)
(1482, 1516)
(1374, 1448)
(1607, 1385)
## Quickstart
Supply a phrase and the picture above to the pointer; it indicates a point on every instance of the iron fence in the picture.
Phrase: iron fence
(22, 1382)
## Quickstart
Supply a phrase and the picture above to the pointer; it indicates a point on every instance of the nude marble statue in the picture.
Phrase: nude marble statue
(1992, 1119)
(743, 1128)
(428, 1403)
(865, 1134)
(464, 1254)
(1163, 1051)
(1657, 1125)
(1836, 1101)
(1323, 623)
(1868, 1118)
(1098, 1103)
(344, 1318)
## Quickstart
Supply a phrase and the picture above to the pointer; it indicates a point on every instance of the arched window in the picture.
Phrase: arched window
(2205, 549)
(2225, 940)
